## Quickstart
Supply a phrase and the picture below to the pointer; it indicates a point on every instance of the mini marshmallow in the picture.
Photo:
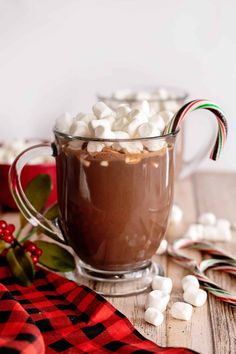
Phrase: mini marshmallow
(132, 147)
(162, 283)
(158, 300)
(79, 128)
(153, 316)
(87, 118)
(100, 123)
(101, 110)
(162, 248)
(103, 133)
(142, 95)
(137, 119)
(195, 232)
(123, 94)
(210, 233)
(181, 311)
(123, 111)
(190, 281)
(147, 130)
(142, 106)
(223, 223)
(120, 124)
(158, 122)
(176, 214)
(63, 123)
(207, 219)
(154, 144)
(95, 146)
(195, 297)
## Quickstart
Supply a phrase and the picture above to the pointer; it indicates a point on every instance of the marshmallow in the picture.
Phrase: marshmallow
(153, 316)
(210, 233)
(195, 232)
(123, 94)
(122, 111)
(103, 133)
(207, 219)
(142, 106)
(95, 146)
(120, 124)
(162, 283)
(87, 118)
(223, 223)
(223, 230)
(195, 297)
(147, 130)
(172, 106)
(154, 144)
(63, 123)
(100, 123)
(158, 122)
(181, 311)
(176, 214)
(162, 93)
(101, 110)
(142, 95)
(190, 281)
(157, 299)
(137, 119)
(162, 248)
(79, 128)
(132, 147)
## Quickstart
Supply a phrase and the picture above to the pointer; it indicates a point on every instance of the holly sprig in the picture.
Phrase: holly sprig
(22, 253)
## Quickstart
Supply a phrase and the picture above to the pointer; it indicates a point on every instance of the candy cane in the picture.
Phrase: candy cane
(181, 114)
(224, 262)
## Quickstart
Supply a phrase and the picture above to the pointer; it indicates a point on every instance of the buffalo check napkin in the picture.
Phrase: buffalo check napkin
(55, 315)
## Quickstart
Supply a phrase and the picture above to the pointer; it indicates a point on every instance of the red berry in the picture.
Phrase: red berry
(30, 247)
(11, 228)
(38, 252)
(6, 232)
(34, 259)
(8, 238)
(3, 224)
(4, 252)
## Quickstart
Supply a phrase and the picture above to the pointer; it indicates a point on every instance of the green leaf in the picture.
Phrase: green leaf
(21, 265)
(55, 257)
(37, 191)
(52, 212)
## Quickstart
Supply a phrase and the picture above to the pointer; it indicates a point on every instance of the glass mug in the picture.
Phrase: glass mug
(172, 100)
(113, 207)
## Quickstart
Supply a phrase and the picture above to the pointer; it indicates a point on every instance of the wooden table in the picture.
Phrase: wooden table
(212, 329)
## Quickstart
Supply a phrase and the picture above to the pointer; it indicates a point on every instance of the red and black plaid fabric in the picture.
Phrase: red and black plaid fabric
(55, 315)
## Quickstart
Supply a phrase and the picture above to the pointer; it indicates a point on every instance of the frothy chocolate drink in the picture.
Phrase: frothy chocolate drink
(114, 205)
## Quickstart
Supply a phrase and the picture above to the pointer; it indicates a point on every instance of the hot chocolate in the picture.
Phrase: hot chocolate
(114, 205)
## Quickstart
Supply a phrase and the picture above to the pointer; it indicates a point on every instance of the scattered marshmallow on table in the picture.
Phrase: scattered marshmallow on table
(176, 214)
(181, 311)
(157, 299)
(190, 281)
(195, 232)
(162, 248)
(162, 283)
(207, 219)
(153, 316)
(195, 297)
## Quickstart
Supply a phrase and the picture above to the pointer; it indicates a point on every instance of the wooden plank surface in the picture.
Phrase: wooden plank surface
(212, 329)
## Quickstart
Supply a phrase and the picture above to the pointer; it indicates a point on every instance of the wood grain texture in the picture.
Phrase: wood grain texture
(212, 329)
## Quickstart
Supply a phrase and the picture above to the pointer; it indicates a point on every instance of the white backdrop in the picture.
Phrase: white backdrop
(55, 54)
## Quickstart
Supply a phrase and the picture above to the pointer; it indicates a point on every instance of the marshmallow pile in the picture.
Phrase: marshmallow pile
(159, 98)
(209, 228)
(157, 300)
(122, 123)
(10, 150)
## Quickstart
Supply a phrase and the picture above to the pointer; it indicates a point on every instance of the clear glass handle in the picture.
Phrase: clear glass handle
(26, 208)
(190, 166)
